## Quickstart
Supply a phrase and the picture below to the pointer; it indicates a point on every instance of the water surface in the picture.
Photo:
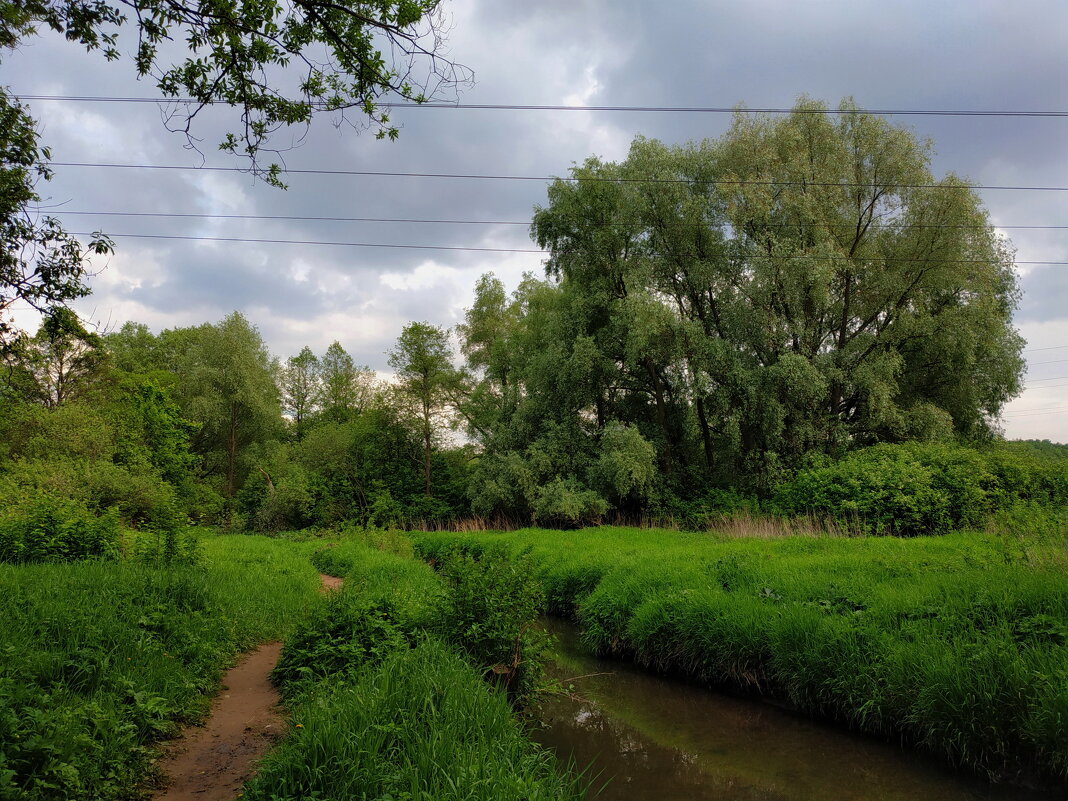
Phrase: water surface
(649, 738)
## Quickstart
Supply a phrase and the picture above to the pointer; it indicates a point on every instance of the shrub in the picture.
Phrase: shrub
(50, 529)
(565, 504)
(919, 488)
(492, 605)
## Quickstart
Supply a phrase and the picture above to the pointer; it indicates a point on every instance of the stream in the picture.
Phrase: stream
(641, 736)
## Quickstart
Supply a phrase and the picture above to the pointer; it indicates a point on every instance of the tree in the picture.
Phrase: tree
(63, 359)
(803, 283)
(301, 386)
(41, 265)
(331, 55)
(228, 387)
(346, 388)
(424, 372)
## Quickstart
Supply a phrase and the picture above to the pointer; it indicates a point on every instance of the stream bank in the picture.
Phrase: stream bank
(645, 736)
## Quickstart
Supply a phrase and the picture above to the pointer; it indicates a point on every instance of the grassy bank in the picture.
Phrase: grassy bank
(384, 708)
(956, 643)
(102, 659)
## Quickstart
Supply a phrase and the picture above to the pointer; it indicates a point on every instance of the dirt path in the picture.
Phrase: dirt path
(213, 761)
(331, 582)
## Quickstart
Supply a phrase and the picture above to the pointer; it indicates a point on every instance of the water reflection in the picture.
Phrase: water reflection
(645, 737)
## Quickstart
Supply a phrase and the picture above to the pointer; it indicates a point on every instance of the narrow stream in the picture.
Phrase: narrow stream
(647, 737)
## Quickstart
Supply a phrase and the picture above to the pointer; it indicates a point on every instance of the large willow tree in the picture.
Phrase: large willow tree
(803, 283)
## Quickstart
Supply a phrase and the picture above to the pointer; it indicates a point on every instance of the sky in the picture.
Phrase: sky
(906, 54)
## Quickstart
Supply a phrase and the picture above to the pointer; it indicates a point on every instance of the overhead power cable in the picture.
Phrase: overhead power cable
(1051, 347)
(644, 109)
(1052, 361)
(542, 178)
(194, 238)
(1031, 381)
(303, 218)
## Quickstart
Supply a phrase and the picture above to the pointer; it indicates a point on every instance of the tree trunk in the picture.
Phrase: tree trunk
(231, 451)
(426, 447)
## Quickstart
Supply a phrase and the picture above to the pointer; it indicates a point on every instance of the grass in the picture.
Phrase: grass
(99, 660)
(957, 643)
(384, 708)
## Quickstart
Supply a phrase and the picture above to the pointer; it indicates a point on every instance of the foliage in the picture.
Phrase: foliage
(956, 643)
(384, 708)
(425, 374)
(803, 284)
(99, 660)
(924, 488)
(300, 382)
(52, 530)
(492, 604)
(40, 263)
(329, 57)
(420, 725)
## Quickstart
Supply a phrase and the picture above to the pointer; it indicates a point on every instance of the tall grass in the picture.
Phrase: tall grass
(98, 660)
(954, 642)
(384, 708)
(421, 725)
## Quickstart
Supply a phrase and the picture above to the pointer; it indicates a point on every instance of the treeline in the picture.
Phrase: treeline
(720, 325)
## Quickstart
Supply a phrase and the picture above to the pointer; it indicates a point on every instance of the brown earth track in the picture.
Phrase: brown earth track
(212, 762)
(331, 582)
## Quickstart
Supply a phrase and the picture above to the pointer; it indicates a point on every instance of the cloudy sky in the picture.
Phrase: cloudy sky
(905, 54)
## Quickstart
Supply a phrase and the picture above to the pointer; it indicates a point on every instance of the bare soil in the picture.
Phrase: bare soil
(212, 762)
(331, 582)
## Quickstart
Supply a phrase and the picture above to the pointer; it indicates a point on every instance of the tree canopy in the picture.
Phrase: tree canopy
(802, 284)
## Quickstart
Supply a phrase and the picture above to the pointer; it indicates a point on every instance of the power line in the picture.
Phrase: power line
(644, 109)
(483, 222)
(499, 250)
(1039, 380)
(1051, 347)
(1036, 414)
(1052, 361)
(476, 176)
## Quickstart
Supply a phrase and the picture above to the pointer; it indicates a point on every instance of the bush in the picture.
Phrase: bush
(492, 605)
(565, 504)
(53, 530)
(919, 488)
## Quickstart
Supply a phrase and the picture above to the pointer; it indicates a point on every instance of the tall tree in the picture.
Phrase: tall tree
(424, 371)
(347, 388)
(228, 387)
(301, 385)
(804, 282)
(63, 359)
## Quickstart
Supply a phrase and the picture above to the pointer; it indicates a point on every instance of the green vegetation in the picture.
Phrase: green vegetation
(100, 660)
(385, 709)
(958, 643)
(919, 488)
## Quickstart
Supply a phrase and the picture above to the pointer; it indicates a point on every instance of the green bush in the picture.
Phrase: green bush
(924, 488)
(53, 530)
(345, 634)
(492, 604)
